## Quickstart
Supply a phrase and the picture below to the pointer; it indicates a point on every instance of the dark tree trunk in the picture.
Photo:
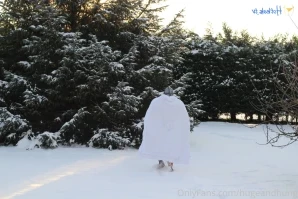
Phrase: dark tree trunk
(251, 117)
(233, 116)
(259, 117)
(269, 117)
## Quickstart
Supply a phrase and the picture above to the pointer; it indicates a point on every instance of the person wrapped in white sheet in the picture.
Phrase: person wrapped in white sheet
(166, 131)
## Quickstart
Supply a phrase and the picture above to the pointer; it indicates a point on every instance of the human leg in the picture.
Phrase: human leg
(170, 164)
(161, 164)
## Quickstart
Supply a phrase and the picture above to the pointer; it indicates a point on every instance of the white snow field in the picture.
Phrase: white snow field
(226, 163)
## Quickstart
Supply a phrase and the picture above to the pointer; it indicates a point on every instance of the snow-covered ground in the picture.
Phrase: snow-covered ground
(226, 163)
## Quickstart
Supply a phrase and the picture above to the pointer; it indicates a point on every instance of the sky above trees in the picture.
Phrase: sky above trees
(238, 15)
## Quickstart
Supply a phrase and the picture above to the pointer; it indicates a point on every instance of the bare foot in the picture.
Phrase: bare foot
(170, 164)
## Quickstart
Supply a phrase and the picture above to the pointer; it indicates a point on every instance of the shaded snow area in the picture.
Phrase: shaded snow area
(226, 163)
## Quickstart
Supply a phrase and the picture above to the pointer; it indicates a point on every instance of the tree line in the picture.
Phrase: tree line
(236, 73)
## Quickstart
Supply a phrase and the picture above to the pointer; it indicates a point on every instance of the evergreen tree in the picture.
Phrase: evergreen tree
(202, 63)
(73, 82)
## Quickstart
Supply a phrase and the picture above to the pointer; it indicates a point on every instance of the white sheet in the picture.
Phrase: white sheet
(166, 131)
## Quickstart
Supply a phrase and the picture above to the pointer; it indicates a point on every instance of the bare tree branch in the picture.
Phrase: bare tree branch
(280, 103)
